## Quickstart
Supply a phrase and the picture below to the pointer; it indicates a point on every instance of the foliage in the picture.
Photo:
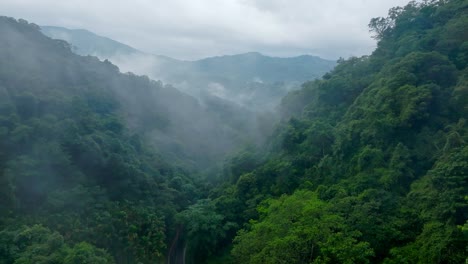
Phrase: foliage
(37, 244)
(368, 165)
(299, 229)
(73, 169)
(377, 148)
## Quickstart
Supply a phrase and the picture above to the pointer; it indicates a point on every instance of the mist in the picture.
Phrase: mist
(250, 149)
(200, 29)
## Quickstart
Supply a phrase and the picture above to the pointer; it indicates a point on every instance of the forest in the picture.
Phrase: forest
(367, 164)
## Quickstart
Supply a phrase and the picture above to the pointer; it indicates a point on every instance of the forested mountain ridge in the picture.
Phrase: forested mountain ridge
(94, 164)
(245, 66)
(252, 80)
(370, 163)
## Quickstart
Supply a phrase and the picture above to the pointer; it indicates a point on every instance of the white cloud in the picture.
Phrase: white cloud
(190, 29)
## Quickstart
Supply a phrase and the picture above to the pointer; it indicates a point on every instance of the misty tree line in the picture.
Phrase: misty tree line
(369, 164)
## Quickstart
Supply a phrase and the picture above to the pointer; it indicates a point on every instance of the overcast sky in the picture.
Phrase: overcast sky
(192, 29)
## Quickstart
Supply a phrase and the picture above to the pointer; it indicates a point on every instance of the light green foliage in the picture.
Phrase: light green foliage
(86, 253)
(299, 229)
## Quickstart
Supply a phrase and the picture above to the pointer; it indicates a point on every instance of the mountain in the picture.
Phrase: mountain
(248, 66)
(95, 164)
(369, 164)
(78, 178)
(87, 43)
(240, 123)
(251, 80)
(257, 67)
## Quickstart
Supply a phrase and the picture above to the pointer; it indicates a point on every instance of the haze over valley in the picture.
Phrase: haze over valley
(251, 80)
(215, 136)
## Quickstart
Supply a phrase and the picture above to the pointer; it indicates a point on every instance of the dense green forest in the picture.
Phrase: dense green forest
(91, 158)
(368, 164)
(78, 184)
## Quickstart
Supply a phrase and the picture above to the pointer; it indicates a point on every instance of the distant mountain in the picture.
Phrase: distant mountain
(85, 42)
(251, 79)
(258, 67)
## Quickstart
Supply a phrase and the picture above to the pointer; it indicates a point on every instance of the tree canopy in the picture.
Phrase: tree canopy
(368, 164)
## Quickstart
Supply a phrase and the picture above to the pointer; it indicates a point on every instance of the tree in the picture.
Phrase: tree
(299, 229)
(204, 229)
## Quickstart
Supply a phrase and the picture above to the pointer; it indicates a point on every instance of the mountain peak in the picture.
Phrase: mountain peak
(252, 53)
(86, 42)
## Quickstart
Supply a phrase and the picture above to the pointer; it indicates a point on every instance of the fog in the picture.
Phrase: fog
(179, 127)
(239, 144)
(251, 80)
(201, 28)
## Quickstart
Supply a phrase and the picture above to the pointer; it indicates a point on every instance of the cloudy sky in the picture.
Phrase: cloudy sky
(192, 29)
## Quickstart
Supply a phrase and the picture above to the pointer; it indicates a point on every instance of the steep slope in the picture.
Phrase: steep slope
(369, 164)
(69, 163)
(252, 80)
(94, 164)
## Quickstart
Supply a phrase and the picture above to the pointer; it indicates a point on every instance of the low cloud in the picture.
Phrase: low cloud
(200, 28)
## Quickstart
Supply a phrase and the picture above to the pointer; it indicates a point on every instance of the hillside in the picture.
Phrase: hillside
(72, 171)
(369, 164)
(251, 80)
(96, 162)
